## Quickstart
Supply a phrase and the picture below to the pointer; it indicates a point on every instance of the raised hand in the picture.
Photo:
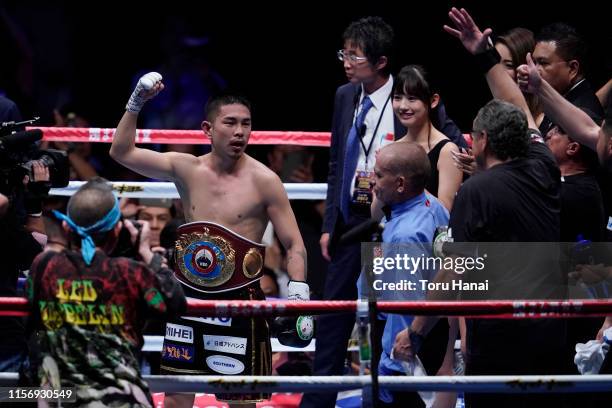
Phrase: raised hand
(147, 87)
(528, 77)
(474, 40)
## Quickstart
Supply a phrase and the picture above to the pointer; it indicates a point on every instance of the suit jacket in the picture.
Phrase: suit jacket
(346, 100)
(582, 96)
(9, 111)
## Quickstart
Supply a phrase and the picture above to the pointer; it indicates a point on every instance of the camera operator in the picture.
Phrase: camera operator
(87, 309)
(20, 158)
(35, 192)
(18, 246)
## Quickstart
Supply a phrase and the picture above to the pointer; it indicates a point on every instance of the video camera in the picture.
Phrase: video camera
(18, 152)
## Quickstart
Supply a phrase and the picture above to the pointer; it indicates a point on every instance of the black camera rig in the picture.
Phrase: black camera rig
(19, 151)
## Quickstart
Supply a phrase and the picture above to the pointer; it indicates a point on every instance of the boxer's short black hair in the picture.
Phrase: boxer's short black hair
(213, 106)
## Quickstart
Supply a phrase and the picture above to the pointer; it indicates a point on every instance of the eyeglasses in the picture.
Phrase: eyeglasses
(352, 59)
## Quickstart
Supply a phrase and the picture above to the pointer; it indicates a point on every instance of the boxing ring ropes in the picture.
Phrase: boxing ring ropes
(531, 309)
(480, 309)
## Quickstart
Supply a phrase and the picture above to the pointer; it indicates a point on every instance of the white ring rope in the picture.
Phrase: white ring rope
(139, 189)
(510, 384)
(498, 383)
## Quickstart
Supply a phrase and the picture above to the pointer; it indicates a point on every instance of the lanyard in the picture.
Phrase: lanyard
(361, 133)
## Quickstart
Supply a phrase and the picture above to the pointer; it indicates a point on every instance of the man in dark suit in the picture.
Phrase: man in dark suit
(8, 110)
(560, 57)
(363, 121)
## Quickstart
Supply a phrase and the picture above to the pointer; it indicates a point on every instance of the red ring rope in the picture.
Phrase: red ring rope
(12, 306)
(162, 136)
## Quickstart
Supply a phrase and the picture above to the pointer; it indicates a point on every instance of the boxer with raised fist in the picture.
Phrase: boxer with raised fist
(147, 87)
(228, 198)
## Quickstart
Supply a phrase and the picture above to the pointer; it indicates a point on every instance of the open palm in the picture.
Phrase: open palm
(474, 40)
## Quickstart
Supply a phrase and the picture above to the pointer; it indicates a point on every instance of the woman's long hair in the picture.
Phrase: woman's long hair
(521, 41)
(412, 80)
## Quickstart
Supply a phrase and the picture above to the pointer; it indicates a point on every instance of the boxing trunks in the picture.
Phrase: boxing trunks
(213, 262)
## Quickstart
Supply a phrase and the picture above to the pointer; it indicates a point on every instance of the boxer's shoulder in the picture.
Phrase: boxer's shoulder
(183, 163)
(263, 174)
(179, 158)
(256, 169)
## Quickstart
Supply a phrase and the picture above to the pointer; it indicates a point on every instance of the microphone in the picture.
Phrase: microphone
(362, 232)
(20, 140)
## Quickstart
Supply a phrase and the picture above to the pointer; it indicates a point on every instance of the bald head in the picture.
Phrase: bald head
(408, 160)
(91, 202)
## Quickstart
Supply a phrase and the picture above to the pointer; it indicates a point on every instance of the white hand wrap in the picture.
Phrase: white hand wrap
(138, 99)
(304, 324)
(298, 291)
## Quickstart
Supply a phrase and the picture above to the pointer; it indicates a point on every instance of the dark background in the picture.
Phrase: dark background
(281, 55)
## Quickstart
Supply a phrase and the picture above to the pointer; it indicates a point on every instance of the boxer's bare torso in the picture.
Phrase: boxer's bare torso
(237, 200)
(226, 186)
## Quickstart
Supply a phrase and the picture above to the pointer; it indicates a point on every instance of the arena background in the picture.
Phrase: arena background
(281, 55)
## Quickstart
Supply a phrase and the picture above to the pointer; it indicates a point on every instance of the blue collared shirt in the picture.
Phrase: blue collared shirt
(412, 222)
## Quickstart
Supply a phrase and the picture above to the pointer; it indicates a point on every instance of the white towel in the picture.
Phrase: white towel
(590, 356)
(415, 368)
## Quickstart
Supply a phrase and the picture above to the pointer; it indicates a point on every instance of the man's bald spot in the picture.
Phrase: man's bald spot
(91, 203)
(406, 159)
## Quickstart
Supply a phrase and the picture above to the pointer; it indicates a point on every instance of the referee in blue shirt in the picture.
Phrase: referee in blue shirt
(411, 218)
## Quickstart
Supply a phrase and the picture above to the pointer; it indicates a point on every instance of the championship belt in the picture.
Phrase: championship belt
(211, 258)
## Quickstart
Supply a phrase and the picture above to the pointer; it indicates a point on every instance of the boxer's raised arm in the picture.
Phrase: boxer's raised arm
(123, 149)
